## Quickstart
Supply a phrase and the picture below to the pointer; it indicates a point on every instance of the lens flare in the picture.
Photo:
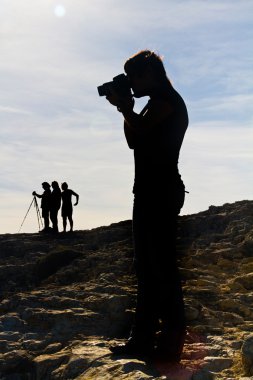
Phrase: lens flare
(59, 11)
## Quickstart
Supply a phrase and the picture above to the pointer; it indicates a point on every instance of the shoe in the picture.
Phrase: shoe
(170, 346)
(133, 348)
(166, 356)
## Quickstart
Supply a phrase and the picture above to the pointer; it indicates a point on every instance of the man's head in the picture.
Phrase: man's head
(55, 185)
(64, 186)
(45, 185)
(145, 71)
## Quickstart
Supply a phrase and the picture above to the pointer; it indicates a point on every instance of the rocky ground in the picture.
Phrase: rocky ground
(64, 299)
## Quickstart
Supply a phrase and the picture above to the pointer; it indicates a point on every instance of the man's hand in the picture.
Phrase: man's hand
(122, 103)
(127, 104)
(113, 98)
(34, 193)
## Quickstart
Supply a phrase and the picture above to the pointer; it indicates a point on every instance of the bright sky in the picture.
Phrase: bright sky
(54, 126)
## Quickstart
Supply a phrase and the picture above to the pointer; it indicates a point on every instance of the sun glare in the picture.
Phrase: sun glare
(59, 11)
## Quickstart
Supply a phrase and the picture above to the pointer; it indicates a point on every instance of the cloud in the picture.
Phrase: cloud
(216, 162)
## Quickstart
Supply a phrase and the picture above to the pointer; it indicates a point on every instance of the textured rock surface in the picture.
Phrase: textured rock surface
(64, 299)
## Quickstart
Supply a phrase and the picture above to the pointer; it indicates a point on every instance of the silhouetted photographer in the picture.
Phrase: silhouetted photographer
(156, 136)
(45, 204)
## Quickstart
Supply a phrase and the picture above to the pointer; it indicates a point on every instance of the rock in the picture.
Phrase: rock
(66, 298)
(33, 345)
(217, 364)
(203, 375)
(191, 313)
(235, 306)
(124, 368)
(49, 263)
(10, 336)
(11, 322)
(46, 364)
(246, 281)
(52, 348)
(247, 355)
(75, 367)
(83, 357)
(16, 362)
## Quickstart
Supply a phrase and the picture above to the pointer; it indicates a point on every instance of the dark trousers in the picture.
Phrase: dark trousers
(54, 218)
(45, 216)
(160, 303)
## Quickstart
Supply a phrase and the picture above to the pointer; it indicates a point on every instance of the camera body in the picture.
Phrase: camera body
(120, 84)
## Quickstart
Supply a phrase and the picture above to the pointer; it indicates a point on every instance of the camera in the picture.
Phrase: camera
(120, 84)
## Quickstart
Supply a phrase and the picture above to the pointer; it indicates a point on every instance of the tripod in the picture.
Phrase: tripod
(40, 223)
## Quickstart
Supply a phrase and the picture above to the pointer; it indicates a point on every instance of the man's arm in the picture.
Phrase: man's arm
(156, 112)
(36, 195)
(130, 135)
(77, 197)
(140, 124)
(126, 103)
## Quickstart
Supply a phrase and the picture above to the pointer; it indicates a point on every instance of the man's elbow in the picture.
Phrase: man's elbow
(130, 145)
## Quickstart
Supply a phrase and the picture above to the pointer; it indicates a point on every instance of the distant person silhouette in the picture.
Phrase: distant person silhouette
(55, 205)
(156, 136)
(67, 209)
(45, 204)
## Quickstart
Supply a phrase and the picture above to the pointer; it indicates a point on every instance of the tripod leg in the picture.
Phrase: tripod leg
(40, 223)
(26, 214)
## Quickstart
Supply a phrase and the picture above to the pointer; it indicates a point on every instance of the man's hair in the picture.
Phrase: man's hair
(139, 62)
(64, 185)
(55, 183)
(46, 184)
